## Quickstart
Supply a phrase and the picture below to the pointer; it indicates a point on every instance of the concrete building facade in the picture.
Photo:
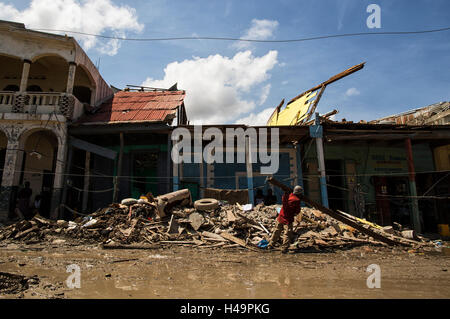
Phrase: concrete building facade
(46, 82)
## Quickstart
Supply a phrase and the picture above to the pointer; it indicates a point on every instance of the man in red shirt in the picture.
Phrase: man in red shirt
(291, 207)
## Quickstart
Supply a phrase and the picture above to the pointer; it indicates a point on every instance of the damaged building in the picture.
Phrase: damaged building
(85, 145)
(46, 82)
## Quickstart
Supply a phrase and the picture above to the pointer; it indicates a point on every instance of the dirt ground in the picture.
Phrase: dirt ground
(182, 272)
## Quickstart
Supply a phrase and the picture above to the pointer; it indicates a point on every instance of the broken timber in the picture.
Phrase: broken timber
(236, 240)
(340, 217)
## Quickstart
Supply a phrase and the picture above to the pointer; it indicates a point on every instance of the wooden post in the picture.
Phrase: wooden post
(248, 158)
(66, 177)
(202, 179)
(412, 187)
(175, 171)
(169, 162)
(321, 162)
(119, 169)
(86, 181)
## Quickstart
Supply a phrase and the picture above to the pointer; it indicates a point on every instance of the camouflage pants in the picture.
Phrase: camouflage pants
(287, 234)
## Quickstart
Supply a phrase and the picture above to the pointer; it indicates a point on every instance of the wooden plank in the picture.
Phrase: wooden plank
(89, 147)
(230, 216)
(132, 246)
(236, 240)
(331, 80)
(212, 235)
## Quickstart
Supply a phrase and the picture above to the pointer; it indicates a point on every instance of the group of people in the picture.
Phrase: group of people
(25, 209)
(268, 199)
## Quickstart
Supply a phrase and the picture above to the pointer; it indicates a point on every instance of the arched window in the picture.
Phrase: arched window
(34, 88)
(11, 87)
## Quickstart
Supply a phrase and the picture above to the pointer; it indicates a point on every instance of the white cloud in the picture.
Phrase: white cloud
(256, 118)
(259, 30)
(88, 16)
(352, 92)
(264, 94)
(215, 85)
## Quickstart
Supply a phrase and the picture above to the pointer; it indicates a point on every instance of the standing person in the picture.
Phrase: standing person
(291, 207)
(23, 198)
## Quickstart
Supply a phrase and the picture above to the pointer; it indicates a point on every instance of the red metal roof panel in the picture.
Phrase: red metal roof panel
(137, 106)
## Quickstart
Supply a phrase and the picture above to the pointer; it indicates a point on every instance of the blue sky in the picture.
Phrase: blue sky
(227, 86)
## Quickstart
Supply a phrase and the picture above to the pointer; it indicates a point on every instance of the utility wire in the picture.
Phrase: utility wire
(251, 40)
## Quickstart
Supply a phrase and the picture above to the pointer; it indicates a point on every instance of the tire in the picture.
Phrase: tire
(206, 204)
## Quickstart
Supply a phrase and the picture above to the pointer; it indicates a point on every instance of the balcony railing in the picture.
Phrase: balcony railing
(6, 98)
(40, 103)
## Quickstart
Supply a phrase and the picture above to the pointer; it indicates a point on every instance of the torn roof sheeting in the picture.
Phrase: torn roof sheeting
(298, 109)
(132, 106)
(294, 113)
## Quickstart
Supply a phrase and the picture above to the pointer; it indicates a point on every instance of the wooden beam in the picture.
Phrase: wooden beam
(316, 101)
(92, 148)
(331, 80)
(249, 166)
(375, 136)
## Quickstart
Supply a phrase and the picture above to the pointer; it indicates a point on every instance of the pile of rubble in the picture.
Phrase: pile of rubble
(155, 223)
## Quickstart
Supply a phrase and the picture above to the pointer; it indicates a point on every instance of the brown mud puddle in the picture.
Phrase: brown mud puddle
(180, 272)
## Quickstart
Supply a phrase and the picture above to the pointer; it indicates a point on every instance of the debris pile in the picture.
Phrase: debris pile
(144, 224)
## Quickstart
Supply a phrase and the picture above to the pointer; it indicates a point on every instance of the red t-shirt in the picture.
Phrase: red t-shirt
(291, 207)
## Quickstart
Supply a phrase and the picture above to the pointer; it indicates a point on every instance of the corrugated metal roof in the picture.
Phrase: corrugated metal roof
(136, 106)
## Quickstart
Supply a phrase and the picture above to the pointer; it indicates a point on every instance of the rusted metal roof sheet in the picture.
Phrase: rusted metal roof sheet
(132, 106)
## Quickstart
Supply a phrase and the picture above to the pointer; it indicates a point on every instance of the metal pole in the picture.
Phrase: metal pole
(412, 187)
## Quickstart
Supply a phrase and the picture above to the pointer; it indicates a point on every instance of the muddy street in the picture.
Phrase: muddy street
(180, 272)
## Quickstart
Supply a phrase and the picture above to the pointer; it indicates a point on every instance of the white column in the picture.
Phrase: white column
(25, 73)
(11, 175)
(71, 77)
(59, 177)
(59, 167)
(13, 163)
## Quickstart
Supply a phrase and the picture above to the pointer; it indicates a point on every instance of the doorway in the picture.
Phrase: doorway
(335, 184)
(144, 168)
